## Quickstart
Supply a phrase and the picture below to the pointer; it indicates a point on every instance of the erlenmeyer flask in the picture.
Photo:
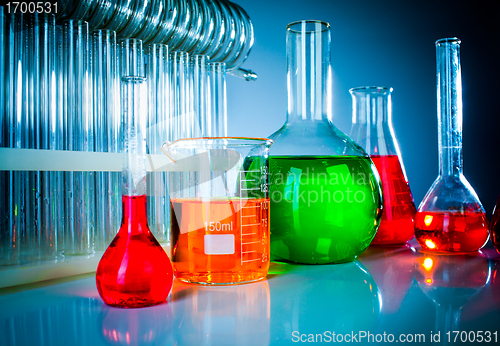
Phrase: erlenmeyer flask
(372, 129)
(450, 218)
(325, 192)
(134, 271)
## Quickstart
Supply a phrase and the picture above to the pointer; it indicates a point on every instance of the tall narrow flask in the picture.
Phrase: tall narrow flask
(372, 129)
(325, 193)
(450, 218)
(134, 271)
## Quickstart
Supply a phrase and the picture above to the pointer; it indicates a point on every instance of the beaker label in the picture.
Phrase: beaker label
(219, 244)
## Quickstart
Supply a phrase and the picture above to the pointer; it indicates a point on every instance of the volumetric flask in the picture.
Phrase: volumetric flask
(372, 129)
(450, 218)
(219, 209)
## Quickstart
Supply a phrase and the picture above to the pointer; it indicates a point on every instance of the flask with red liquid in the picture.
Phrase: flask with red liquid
(134, 271)
(450, 218)
(372, 129)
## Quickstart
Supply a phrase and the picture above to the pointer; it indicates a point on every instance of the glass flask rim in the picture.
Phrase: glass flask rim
(382, 90)
(325, 26)
(448, 40)
(224, 141)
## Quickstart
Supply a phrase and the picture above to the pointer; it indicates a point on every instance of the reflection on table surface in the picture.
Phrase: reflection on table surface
(399, 291)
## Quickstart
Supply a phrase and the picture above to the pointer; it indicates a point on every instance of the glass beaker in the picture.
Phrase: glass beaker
(450, 218)
(219, 209)
(325, 191)
(372, 129)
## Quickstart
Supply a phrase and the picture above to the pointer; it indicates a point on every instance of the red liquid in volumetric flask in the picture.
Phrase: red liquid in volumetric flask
(220, 241)
(134, 271)
(451, 231)
(397, 223)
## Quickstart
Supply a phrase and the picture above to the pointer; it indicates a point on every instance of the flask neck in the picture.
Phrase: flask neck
(449, 103)
(308, 71)
(372, 120)
(134, 215)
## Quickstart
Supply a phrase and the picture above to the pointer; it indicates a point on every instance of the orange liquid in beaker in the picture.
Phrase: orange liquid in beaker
(220, 241)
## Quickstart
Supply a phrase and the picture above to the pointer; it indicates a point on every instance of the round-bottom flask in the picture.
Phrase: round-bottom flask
(325, 196)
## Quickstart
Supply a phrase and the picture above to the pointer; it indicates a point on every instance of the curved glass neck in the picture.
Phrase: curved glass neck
(372, 120)
(308, 71)
(371, 105)
(449, 106)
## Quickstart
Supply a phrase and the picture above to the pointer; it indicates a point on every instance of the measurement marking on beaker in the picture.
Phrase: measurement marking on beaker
(253, 206)
(252, 260)
(253, 188)
(253, 224)
(252, 242)
(248, 251)
(248, 233)
(254, 171)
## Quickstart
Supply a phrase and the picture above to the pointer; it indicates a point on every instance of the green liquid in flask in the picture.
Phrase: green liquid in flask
(324, 209)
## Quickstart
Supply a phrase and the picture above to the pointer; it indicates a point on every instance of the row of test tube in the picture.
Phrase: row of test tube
(60, 90)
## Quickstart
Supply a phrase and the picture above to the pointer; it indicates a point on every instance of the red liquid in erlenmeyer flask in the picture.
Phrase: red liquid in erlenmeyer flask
(397, 223)
(451, 231)
(134, 271)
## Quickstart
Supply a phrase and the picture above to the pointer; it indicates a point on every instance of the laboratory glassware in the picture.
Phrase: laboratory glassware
(216, 28)
(31, 201)
(218, 98)
(79, 136)
(134, 271)
(108, 136)
(219, 209)
(182, 118)
(200, 96)
(495, 226)
(157, 132)
(132, 58)
(325, 192)
(450, 218)
(372, 129)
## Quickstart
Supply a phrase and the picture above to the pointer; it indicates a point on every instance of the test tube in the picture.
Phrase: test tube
(179, 76)
(108, 137)
(200, 103)
(218, 98)
(14, 39)
(79, 136)
(18, 238)
(131, 58)
(157, 133)
(49, 126)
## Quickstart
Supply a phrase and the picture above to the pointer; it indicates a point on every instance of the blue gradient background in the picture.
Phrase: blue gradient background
(387, 43)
